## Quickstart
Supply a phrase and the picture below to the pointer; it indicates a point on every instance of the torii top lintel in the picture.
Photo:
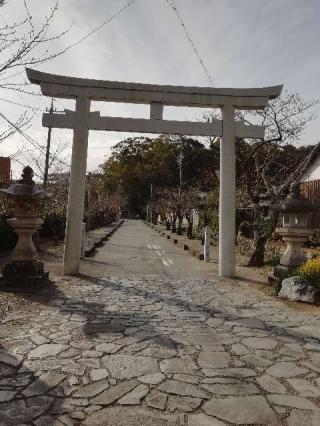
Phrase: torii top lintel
(59, 86)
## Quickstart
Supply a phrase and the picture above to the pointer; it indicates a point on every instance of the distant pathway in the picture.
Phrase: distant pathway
(137, 250)
(148, 336)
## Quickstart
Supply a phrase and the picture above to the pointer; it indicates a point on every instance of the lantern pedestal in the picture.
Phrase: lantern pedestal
(294, 237)
(25, 227)
(24, 275)
(24, 271)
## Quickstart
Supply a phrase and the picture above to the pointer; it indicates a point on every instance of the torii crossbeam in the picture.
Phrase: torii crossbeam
(82, 120)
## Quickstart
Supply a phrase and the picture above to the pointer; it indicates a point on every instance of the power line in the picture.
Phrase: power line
(25, 135)
(90, 33)
(76, 43)
(21, 90)
(173, 6)
(22, 105)
(23, 165)
(35, 144)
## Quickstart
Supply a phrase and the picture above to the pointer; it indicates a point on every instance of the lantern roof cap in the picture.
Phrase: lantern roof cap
(295, 202)
(25, 188)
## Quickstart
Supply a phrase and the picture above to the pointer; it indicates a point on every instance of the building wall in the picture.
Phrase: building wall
(311, 190)
(313, 172)
(5, 169)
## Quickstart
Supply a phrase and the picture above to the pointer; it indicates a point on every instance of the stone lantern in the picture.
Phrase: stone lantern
(295, 231)
(25, 270)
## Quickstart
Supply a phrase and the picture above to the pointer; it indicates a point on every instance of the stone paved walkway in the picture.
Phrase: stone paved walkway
(154, 351)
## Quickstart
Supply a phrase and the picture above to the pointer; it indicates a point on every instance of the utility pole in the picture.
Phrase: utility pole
(46, 166)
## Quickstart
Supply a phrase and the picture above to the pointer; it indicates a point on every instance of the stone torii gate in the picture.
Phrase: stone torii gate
(82, 120)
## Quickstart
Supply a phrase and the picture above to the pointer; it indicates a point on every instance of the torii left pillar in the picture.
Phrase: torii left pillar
(72, 251)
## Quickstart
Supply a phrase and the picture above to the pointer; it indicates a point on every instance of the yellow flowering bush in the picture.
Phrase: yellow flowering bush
(310, 271)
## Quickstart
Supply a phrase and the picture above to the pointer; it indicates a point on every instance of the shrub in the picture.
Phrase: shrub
(274, 260)
(8, 238)
(310, 271)
(314, 240)
(53, 226)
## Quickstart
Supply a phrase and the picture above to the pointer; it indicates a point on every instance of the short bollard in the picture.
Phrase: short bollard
(206, 246)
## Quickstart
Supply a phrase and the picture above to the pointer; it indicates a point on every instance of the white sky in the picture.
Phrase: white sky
(247, 43)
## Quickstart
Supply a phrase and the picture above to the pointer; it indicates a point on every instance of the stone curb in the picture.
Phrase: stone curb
(178, 240)
(90, 248)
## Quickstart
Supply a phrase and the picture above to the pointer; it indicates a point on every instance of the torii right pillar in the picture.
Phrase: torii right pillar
(227, 203)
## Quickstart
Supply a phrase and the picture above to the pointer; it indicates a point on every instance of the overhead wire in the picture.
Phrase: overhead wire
(22, 105)
(23, 165)
(90, 33)
(173, 6)
(35, 144)
(13, 75)
(74, 44)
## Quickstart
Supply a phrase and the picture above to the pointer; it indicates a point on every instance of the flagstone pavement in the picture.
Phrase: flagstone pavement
(158, 351)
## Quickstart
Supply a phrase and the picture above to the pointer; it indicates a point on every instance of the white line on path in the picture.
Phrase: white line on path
(164, 262)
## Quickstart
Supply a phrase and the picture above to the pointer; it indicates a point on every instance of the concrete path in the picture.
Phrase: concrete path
(138, 250)
(149, 336)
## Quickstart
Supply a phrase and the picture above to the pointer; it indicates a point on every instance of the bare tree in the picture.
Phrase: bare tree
(24, 43)
(58, 159)
(172, 204)
(263, 230)
(267, 168)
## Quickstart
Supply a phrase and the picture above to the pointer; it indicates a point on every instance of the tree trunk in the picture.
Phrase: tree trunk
(261, 237)
(190, 230)
(180, 219)
(257, 257)
(189, 218)
(173, 225)
(155, 218)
